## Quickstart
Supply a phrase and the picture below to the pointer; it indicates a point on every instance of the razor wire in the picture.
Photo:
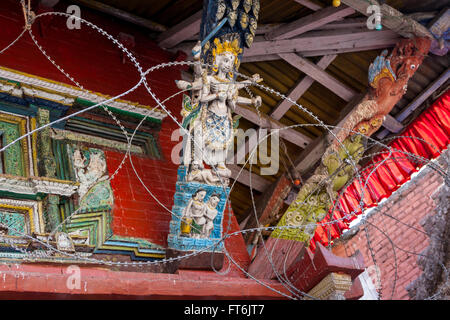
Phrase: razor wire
(161, 104)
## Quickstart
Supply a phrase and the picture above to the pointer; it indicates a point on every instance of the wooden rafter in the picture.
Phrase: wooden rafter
(249, 179)
(310, 22)
(265, 121)
(314, 43)
(319, 75)
(181, 31)
(392, 19)
(309, 4)
(323, 40)
(324, 52)
(299, 89)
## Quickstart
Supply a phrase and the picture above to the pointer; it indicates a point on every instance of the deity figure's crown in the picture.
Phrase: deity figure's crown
(226, 46)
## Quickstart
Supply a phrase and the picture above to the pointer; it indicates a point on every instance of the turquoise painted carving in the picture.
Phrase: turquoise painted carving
(197, 215)
(95, 194)
(16, 221)
(90, 170)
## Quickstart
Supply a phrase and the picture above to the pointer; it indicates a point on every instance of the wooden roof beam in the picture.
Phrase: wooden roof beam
(182, 31)
(305, 54)
(323, 41)
(265, 121)
(319, 75)
(310, 22)
(313, 43)
(244, 177)
(392, 19)
(300, 88)
(309, 4)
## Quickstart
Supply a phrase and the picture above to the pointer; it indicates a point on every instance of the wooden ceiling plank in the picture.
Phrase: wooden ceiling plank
(182, 31)
(310, 22)
(319, 75)
(301, 87)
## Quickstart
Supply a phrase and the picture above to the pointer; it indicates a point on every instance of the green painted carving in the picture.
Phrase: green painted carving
(52, 214)
(96, 197)
(99, 196)
(46, 161)
(13, 158)
(318, 193)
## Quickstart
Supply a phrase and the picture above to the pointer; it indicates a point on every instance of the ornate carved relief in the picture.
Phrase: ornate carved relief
(388, 77)
(90, 169)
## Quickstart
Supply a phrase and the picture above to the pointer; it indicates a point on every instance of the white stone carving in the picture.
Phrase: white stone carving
(36, 185)
(90, 170)
(208, 112)
(66, 94)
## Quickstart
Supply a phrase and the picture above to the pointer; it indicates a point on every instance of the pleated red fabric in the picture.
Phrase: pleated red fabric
(422, 141)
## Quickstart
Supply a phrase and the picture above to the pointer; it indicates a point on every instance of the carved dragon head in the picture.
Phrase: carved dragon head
(408, 55)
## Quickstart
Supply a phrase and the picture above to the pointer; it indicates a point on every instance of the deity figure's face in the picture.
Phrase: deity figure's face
(200, 195)
(97, 164)
(78, 158)
(214, 201)
(225, 62)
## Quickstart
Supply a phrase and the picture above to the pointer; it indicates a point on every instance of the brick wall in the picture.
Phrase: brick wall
(90, 58)
(408, 206)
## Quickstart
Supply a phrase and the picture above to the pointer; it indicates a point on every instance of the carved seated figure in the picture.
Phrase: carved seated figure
(199, 174)
(210, 214)
(193, 215)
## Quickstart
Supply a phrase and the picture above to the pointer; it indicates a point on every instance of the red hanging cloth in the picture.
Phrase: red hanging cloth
(425, 138)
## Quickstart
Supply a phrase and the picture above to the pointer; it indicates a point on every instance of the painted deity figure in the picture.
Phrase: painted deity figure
(193, 215)
(198, 216)
(208, 112)
(210, 214)
(90, 168)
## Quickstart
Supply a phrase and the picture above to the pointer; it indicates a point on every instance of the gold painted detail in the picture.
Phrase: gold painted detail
(332, 287)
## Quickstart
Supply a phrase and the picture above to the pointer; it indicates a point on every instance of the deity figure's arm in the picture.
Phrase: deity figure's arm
(187, 210)
(256, 101)
(242, 84)
(198, 69)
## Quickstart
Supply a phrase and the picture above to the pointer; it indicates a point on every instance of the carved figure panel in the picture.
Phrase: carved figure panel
(89, 165)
